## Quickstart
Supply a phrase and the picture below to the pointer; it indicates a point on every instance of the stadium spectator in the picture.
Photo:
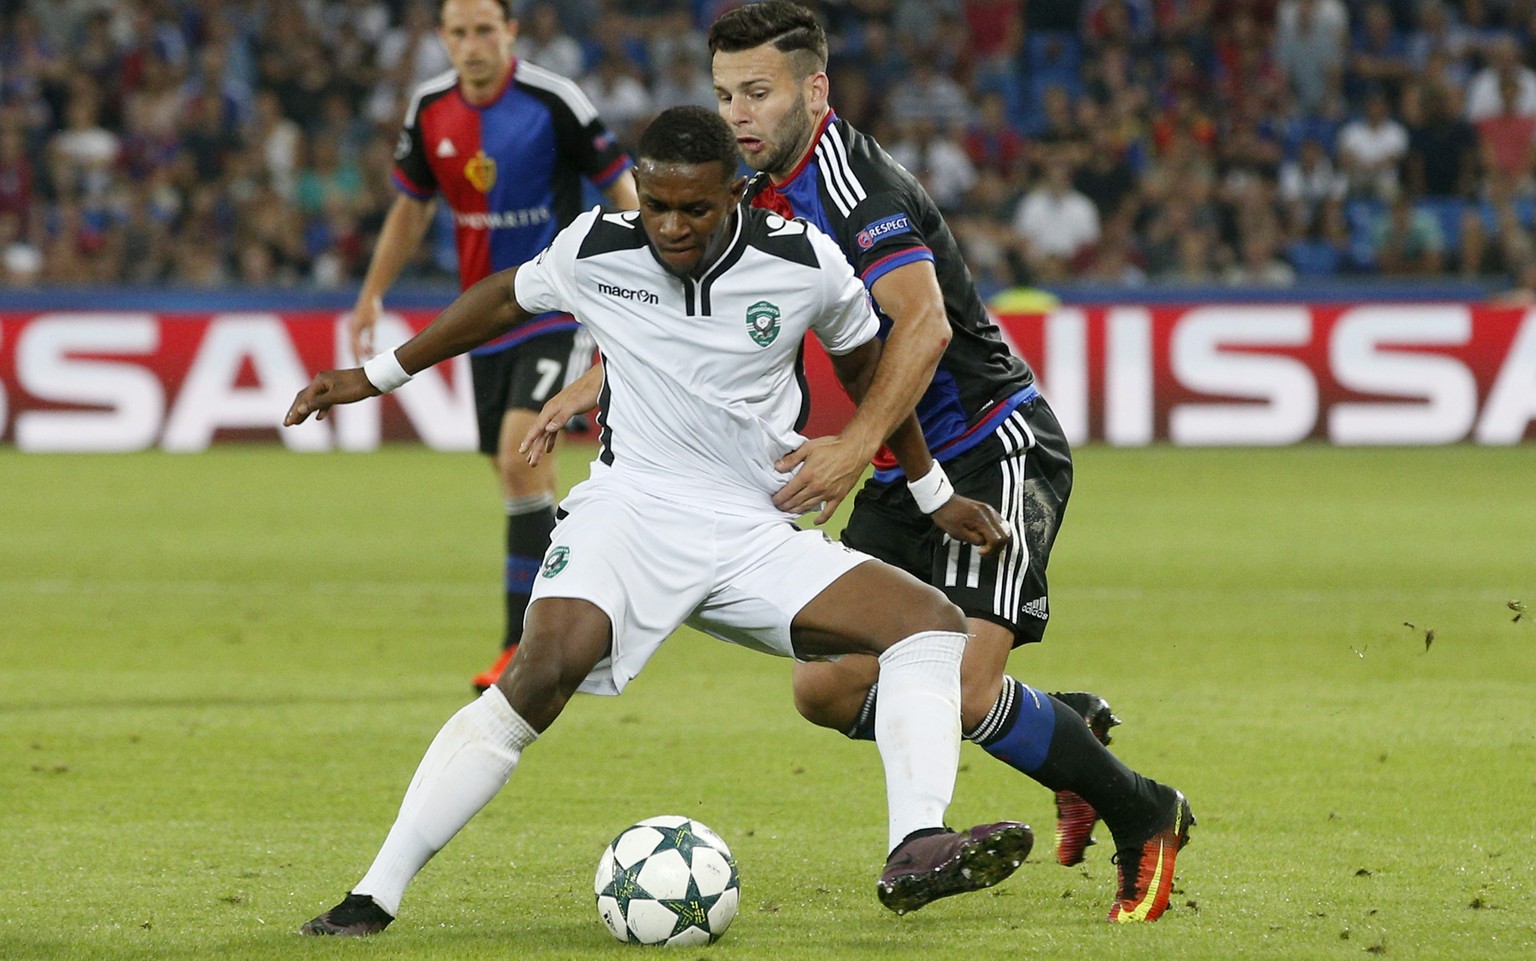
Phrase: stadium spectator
(1310, 45)
(1440, 48)
(1057, 223)
(1309, 181)
(996, 32)
(1484, 97)
(541, 41)
(1506, 141)
(615, 89)
(1378, 57)
(1331, 15)
(984, 229)
(991, 142)
(326, 181)
(455, 142)
(1247, 150)
(1523, 293)
(81, 155)
(1494, 240)
(1115, 259)
(1118, 22)
(671, 35)
(1259, 263)
(879, 58)
(410, 54)
(1163, 75)
(1370, 149)
(937, 161)
(21, 263)
(1442, 147)
(927, 94)
(683, 82)
(17, 176)
(1407, 241)
(278, 140)
(1247, 75)
(1194, 260)
(1186, 122)
(1061, 138)
(1181, 236)
(1106, 178)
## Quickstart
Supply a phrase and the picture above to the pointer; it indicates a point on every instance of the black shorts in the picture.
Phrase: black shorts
(523, 377)
(1025, 471)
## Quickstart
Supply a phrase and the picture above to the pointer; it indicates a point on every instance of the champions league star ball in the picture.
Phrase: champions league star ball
(667, 880)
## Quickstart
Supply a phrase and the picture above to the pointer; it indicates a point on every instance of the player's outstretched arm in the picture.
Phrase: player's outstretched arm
(486, 310)
(580, 397)
(401, 234)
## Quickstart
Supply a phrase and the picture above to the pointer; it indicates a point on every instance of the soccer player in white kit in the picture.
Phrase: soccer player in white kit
(698, 307)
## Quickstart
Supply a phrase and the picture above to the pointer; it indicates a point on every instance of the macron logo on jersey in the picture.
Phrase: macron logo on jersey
(628, 293)
(445, 148)
(881, 229)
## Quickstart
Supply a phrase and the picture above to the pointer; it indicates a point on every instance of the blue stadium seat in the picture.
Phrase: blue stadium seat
(1314, 258)
(1053, 55)
(1361, 216)
(1448, 211)
(1525, 213)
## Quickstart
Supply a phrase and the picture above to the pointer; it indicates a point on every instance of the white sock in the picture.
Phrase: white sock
(917, 727)
(468, 762)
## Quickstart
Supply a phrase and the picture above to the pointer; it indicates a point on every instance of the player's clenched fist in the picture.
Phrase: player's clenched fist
(329, 388)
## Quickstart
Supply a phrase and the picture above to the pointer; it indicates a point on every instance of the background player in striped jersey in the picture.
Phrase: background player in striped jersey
(506, 143)
(984, 421)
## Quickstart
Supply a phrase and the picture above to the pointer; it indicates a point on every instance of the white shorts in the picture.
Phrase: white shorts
(651, 565)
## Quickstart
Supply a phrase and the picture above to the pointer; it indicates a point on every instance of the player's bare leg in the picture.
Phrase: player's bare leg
(529, 495)
(473, 756)
(874, 609)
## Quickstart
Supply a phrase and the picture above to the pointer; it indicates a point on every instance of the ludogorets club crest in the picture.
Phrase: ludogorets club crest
(555, 560)
(763, 323)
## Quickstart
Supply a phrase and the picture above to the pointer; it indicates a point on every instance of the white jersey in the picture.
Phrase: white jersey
(704, 388)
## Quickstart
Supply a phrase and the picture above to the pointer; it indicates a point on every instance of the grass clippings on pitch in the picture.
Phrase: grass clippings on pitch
(217, 673)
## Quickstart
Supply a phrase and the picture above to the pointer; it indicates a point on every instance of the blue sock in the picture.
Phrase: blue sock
(1019, 729)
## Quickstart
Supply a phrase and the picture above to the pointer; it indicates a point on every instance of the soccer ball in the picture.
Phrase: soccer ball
(667, 880)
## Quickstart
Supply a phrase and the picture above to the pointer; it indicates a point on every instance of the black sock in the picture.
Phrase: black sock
(864, 728)
(1129, 803)
(529, 522)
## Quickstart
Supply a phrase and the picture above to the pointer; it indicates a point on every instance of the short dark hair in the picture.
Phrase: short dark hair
(689, 135)
(506, 9)
(791, 28)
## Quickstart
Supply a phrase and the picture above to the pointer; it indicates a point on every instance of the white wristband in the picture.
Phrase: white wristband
(931, 491)
(385, 373)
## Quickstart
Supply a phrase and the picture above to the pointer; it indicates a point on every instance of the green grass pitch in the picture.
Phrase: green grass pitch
(217, 673)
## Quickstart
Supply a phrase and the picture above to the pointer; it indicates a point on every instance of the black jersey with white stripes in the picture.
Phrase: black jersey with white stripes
(882, 218)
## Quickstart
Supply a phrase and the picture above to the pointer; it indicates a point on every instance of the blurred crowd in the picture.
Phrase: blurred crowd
(1246, 142)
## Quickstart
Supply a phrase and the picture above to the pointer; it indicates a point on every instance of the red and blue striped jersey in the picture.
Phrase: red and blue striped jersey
(883, 218)
(510, 170)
